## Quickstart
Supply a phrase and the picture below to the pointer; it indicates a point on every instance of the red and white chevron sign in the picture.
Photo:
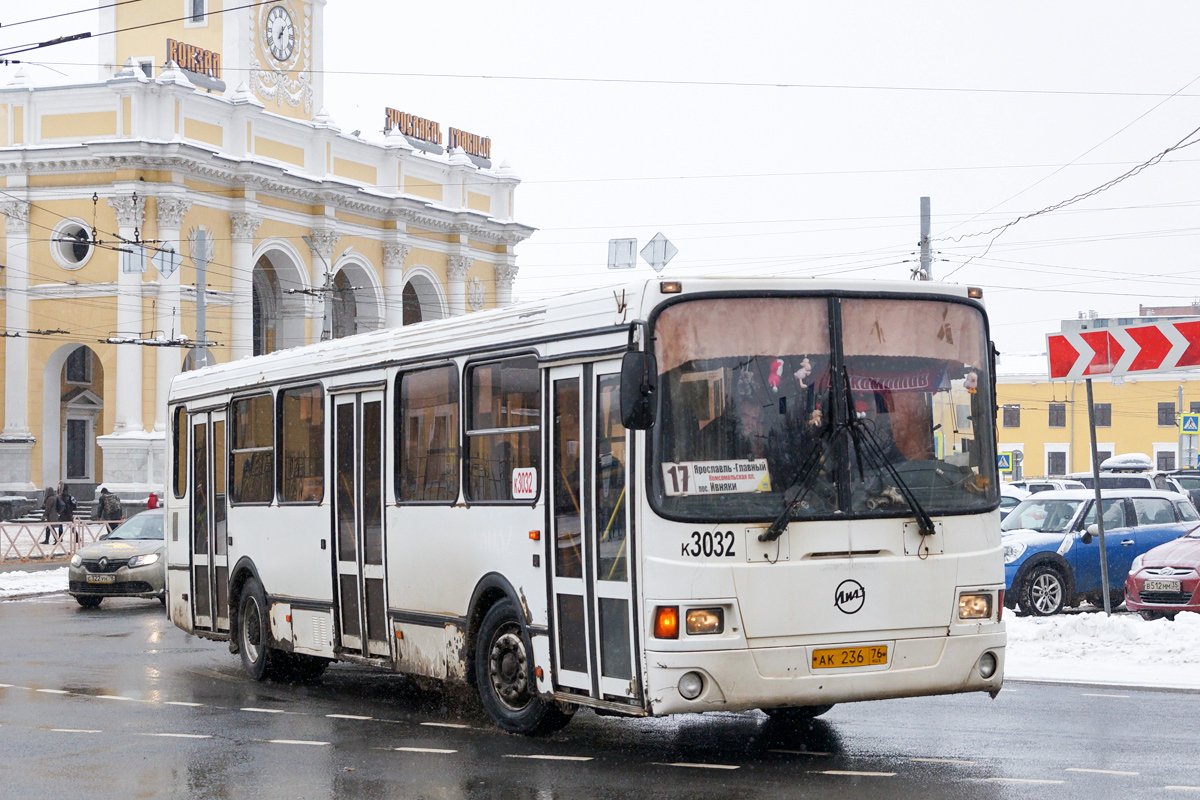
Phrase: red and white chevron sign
(1131, 349)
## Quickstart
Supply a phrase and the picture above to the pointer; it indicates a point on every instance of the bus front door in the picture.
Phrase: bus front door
(210, 542)
(592, 601)
(358, 524)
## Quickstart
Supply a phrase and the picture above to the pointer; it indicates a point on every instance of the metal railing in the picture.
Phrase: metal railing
(25, 541)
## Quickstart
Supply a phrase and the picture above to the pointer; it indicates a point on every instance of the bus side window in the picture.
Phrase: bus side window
(503, 427)
(252, 478)
(301, 445)
(179, 440)
(427, 452)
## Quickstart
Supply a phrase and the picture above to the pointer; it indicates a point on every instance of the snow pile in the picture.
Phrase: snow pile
(1092, 648)
(18, 584)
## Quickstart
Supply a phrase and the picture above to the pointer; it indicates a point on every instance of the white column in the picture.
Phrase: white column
(127, 417)
(16, 349)
(506, 273)
(171, 211)
(394, 254)
(16, 443)
(323, 241)
(241, 335)
(456, 285)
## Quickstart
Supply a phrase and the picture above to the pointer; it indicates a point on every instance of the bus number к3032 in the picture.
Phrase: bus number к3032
(709, 544)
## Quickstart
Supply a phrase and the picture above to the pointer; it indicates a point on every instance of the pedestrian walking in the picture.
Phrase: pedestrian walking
(110, 509)
(66, 510)
(152, 501)
(50, 506)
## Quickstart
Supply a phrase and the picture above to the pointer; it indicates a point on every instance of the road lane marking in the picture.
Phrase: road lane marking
(445, 725)
(347, 716)
(264, 710)
(52, 691)
(942, 760)
(1022, 780)
(117, 697)
(298, 741)
(800, 752)
(179, 735)
(181, 703)
(696, 766)
(1183, 788)
(1101, 771)
(542, 757)
(1113, 696)
(73, 730)
(424, 750)
(858, 773)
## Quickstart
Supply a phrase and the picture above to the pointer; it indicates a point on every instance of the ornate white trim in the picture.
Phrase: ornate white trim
(17, 213)
(171, 211)
(243, 226)
(130, 210)
(457, 267)
(476, 293)
(323, 241)
(394, 254)
(56, 246)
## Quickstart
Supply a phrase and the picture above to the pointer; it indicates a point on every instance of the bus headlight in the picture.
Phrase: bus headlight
(974, 606)
(1013, 551)
(691, 685)
(705, 620)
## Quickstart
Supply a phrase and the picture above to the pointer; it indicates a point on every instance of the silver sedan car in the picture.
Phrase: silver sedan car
(129, 562)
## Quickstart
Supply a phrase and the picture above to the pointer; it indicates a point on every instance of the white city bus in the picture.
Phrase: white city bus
(681, 496)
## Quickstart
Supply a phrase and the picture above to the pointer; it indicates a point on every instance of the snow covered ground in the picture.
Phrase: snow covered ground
(1082, 648)
(21, 584)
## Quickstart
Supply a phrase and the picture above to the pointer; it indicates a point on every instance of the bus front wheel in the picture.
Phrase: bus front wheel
(260, 661)
(504, 676)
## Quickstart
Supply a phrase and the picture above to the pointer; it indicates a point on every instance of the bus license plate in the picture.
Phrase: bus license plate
(1161, 586)
(850, 657)
(101, 578)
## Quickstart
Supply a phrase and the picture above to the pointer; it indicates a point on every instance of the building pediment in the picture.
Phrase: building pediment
(82, 398)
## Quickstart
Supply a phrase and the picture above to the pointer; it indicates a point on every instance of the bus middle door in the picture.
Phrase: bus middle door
(593, 604)
(358, 523)
(210, 542)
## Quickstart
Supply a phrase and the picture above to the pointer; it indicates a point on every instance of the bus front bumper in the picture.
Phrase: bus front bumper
(780, 677)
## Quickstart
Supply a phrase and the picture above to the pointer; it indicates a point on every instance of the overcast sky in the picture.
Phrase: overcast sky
(797, 137)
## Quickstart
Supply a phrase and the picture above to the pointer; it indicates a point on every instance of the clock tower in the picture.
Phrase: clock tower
(274, 48)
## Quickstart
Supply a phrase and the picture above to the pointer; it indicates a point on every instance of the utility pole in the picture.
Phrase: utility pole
(1179, 462)
(926, 259)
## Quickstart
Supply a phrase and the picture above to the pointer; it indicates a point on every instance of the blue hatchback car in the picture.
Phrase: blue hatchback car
(1051, 560)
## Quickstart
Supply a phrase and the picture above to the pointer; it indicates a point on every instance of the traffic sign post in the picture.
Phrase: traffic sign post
(1189, 424)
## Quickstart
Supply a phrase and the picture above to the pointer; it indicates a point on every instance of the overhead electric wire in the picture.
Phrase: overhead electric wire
(68, 13)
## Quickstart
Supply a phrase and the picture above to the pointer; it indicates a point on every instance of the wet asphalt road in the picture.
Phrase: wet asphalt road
(117, 703)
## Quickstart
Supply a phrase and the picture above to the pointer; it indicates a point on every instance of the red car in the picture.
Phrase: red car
(1166, 580)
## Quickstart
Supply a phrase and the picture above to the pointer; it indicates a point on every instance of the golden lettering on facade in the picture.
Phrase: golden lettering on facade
(471, 143)
(414, 126)
(194, 59)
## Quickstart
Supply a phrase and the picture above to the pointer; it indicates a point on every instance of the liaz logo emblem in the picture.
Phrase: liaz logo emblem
(849, 597)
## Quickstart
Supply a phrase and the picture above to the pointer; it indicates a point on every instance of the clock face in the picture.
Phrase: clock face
(279, 34)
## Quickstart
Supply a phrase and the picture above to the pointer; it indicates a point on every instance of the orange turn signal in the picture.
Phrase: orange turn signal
(538, 671)
(535, 535)
(666, 622)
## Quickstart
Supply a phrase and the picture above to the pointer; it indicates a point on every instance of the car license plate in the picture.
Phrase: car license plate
(850, 657)
(101, 578)
(1160, 586)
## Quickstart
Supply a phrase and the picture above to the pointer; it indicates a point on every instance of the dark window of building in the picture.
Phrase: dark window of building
(1103, 455)
(253, 454)
(1166, 415)
(1103, 415)
(1058, 415)
(503, 429)
(1194, 407)
(1012, 417)
(1165, 459)
(198, 10)
(79, 366)
(1056, 463)
(427, 436)
(301, 437)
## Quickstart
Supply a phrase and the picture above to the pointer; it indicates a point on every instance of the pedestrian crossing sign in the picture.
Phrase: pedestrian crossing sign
(1189, 423)
(1004, 461)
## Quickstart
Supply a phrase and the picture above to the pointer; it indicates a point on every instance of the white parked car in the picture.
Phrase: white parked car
(1010, 496)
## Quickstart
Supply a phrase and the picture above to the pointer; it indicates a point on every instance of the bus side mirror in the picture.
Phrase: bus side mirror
(639, 390)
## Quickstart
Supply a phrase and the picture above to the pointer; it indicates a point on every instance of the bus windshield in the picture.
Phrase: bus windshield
(758, 395)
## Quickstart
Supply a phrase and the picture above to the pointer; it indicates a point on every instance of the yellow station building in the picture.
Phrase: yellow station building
(201, 165)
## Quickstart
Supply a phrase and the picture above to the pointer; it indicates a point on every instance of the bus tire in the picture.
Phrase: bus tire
(1044, 592)
(260, 661)
(504, 676)
(796, 713)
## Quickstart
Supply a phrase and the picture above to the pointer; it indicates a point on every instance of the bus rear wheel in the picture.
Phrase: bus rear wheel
(504, 676)
(260, 661)
(796, 713)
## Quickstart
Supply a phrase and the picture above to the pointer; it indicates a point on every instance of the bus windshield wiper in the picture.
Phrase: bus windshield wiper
(865, 441)
(805, 480)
